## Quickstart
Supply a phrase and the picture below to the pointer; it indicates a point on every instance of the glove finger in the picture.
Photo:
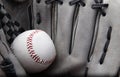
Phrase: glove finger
(105, 59)
(83, 35)
(84, 30)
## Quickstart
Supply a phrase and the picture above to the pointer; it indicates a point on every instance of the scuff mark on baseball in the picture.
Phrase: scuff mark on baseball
(34, 49)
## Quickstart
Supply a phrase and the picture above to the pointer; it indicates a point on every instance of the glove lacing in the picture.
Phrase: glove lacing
(10, 28)
(99, 7)
(54, 16)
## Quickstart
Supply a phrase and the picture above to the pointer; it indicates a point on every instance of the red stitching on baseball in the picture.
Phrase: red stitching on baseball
(31, 51)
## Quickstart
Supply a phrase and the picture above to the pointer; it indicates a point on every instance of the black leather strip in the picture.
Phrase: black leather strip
(106, 45)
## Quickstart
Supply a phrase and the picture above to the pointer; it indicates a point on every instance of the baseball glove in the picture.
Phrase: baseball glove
(85, 33)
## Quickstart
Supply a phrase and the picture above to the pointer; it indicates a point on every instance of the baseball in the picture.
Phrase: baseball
(34, 49)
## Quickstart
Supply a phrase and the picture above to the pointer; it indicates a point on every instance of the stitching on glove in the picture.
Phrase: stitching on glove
(106, 45)
(77, 4)
(100, 6)
(54, 16)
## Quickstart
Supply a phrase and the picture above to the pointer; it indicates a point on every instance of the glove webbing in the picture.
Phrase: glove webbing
(11, 29)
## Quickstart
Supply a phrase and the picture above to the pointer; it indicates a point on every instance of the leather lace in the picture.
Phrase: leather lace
(99, 6)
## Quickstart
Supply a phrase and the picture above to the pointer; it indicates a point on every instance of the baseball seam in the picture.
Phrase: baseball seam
(31, 51)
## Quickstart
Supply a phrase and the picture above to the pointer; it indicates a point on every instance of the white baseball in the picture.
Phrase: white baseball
(34, 49)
